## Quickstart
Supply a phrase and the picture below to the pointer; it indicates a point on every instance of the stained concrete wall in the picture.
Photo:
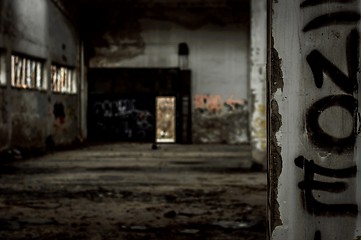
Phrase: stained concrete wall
(30, 118)
(314, 122)
(258, 62)
(218, 60)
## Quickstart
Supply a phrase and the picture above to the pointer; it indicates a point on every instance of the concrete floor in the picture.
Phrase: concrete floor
(129, 191)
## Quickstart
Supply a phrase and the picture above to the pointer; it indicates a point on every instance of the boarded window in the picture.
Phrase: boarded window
(26, 73)
(63, 79)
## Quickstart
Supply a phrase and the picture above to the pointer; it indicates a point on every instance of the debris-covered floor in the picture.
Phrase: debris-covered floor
(129, 191)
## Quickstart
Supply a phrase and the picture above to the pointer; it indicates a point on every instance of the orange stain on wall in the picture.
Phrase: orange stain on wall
(215, 103)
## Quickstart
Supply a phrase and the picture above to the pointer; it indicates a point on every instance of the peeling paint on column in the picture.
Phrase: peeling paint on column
(277, 74)
(259, 126)
(275, 160)
(317, 195)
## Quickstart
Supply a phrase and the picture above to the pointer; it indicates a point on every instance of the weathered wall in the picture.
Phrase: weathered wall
(258, 56)
(28, 119)
(218, 120)
(218, 54)
(314, 122)
(218, 59)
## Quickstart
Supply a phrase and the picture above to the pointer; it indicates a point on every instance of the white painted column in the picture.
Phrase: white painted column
(258, 80)
(314, 147)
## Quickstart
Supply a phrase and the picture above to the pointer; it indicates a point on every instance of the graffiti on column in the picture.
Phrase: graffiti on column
(308, 3)
(347, 84)
(121, 118)
(309, 184)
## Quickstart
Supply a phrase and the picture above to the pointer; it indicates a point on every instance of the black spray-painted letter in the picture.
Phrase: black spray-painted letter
(309, 184)
(320, 65)
(336, 18)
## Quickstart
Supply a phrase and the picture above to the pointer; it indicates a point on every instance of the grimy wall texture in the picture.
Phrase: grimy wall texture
(218, 42)
(34, 116)
(315, 120)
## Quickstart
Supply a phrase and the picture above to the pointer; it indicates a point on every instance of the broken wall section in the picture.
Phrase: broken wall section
(34, 35)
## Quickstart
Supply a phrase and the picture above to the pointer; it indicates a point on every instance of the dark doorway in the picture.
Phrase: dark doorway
(122, 103)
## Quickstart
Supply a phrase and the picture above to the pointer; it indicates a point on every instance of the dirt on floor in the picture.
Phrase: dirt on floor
(131, 191)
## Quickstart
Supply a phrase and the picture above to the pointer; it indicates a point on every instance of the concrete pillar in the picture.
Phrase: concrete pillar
(83, 93)
(258, 80)
(315, 190)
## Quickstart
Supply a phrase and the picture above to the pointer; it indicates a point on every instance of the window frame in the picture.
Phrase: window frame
(69, 82)
(30, 77)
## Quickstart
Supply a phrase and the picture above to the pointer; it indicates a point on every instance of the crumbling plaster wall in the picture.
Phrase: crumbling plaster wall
(218, 59)
(27, 116)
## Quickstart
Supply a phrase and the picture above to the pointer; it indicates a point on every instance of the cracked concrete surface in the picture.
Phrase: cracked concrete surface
(129, 191)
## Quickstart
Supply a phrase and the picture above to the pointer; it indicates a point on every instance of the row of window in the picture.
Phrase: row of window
(62, 79)
(28, 73)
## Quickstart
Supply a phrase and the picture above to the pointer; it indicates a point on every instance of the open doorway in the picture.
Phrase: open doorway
(166, 120)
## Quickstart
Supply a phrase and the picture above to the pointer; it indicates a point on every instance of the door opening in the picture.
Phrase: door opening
(165, 118)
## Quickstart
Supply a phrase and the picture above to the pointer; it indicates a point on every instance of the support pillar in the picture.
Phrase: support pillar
(314, 121)
(83, 92)
(258, 80)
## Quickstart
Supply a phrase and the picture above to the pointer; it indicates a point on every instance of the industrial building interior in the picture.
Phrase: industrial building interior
(142, 119)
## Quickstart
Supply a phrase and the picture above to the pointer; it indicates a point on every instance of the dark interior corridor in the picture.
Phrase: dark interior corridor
(133, 120)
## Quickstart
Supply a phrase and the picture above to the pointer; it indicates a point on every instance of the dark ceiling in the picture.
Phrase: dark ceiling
(121, 18)
(217, 11)
(161, 3)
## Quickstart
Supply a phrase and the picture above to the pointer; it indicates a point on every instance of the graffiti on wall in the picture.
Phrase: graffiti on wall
(121, 119)
(214, 104)
(218, 120)
(115, 108)
(320, 66)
